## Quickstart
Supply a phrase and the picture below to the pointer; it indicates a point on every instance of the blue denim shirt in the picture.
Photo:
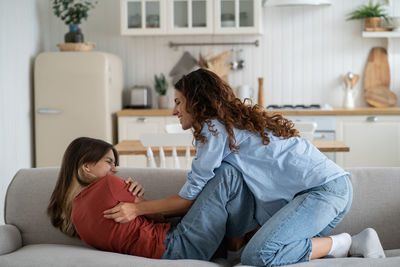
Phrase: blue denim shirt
(274, 173)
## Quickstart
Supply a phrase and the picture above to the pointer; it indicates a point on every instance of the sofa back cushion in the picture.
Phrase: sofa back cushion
(29, 193)
(376, 204)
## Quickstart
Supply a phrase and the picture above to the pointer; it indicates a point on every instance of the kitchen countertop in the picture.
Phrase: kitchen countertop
(334, 111)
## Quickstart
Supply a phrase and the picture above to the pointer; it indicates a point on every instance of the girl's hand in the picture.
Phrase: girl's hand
(122, 213)
(134, 187)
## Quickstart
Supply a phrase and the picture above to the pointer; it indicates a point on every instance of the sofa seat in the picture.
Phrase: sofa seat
(61, 255)
(29, 239)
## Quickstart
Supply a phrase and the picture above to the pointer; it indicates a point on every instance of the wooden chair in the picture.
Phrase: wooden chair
(306, 129)
(175, 128)
(162, 140)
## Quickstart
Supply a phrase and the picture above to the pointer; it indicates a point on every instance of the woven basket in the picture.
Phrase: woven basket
(76, 46)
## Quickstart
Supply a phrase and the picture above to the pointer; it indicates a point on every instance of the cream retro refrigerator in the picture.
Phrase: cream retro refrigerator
(76, 94)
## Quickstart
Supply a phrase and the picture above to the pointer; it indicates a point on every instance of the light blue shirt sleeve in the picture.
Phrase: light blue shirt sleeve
(209, 156)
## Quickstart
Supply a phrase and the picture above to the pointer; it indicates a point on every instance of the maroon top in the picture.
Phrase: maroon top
(140, 237)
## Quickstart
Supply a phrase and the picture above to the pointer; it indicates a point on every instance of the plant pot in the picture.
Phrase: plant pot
(74, 35)
(374, 22)
(163, 102)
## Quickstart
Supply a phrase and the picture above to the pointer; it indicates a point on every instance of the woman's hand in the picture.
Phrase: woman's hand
(134, 187)
(122, 213)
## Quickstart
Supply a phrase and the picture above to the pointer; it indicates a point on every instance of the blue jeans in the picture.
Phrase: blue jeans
(286, 237)
(224, 207)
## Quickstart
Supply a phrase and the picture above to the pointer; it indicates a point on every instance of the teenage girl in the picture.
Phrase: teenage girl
(86, 186)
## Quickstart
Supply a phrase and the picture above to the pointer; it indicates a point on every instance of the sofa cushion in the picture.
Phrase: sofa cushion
(64, 255)
(376, 204)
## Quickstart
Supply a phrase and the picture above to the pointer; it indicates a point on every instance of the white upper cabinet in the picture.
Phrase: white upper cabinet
(190, 17)
(237, 17)
(174, 17)
(143, 17)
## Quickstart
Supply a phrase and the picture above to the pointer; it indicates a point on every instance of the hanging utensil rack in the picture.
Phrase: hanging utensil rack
(255, 43)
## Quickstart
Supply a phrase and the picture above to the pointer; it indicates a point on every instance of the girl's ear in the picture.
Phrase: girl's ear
(85, 167)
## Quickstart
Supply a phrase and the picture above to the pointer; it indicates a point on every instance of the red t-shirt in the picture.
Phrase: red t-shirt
(140, 237)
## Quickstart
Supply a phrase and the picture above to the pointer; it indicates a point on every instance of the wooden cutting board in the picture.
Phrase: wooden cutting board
(380, 98)
(377, 79)
(377, 72)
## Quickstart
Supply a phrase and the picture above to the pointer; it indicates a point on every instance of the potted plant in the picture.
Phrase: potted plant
(161, 87)
(371, 13)
(73, 12)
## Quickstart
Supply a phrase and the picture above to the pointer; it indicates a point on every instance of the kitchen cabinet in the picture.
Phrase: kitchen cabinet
(190, 16)
(131, 127)
(374, 140)
(237, 17)
(175, 17)
(143, 17)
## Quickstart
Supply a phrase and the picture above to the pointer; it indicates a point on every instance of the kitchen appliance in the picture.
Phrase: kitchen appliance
(326, 124)
(76, 94)
(140, 97)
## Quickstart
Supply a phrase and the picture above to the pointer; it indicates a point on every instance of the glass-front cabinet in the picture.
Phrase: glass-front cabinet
(190, 16)
(174, 17)
(237, 16)
(143, 17)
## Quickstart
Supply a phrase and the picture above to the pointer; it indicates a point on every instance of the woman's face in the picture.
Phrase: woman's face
(180, 110)
(103, 167)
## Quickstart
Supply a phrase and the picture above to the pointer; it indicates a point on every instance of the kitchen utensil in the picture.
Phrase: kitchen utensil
(355, 80)
(261, 92)
(350, 80)
(380, 98)
(377, 72)
(217, 64)
(377, 79)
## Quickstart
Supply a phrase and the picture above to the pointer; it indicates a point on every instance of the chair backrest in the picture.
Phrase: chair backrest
(306, 129)
(175, 128)
(162, 140)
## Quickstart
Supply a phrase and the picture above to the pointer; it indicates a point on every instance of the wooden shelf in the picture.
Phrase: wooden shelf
(388, 34)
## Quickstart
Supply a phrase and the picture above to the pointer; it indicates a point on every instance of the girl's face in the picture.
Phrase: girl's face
(180, 110)
(103, 167)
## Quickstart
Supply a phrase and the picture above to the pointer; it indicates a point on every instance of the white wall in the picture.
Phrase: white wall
(19, 44)
(303, 56)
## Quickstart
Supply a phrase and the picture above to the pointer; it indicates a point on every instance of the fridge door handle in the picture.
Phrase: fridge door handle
(48, 111)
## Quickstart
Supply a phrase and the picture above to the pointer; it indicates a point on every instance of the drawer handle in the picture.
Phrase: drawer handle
(372, 119)
(48, 111)
(141, 119)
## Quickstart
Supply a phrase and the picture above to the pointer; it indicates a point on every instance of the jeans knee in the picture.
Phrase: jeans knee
(258, 257)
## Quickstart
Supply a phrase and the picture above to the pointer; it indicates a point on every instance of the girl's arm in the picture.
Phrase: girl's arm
(124, 212)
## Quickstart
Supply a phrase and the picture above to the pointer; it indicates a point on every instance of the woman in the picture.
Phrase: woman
(300, 194)
(87, 186)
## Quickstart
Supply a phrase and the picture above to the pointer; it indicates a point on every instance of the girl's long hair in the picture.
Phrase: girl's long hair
(71, 177)
(209, 97)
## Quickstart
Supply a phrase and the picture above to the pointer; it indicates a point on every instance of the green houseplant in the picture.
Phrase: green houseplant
(73, 12)
(372, 13)
(161, 87)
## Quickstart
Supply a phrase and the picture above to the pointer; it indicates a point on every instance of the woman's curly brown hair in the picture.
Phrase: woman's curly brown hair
(209, 97)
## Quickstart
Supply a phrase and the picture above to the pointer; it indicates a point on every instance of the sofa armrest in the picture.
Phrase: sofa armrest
(10, 239)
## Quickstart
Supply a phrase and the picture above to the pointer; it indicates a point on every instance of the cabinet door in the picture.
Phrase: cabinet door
(374, 141)
(143, 17)
(237, 16)
(190, 17)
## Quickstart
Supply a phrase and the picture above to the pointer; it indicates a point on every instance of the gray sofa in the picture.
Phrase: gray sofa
(28, 238)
